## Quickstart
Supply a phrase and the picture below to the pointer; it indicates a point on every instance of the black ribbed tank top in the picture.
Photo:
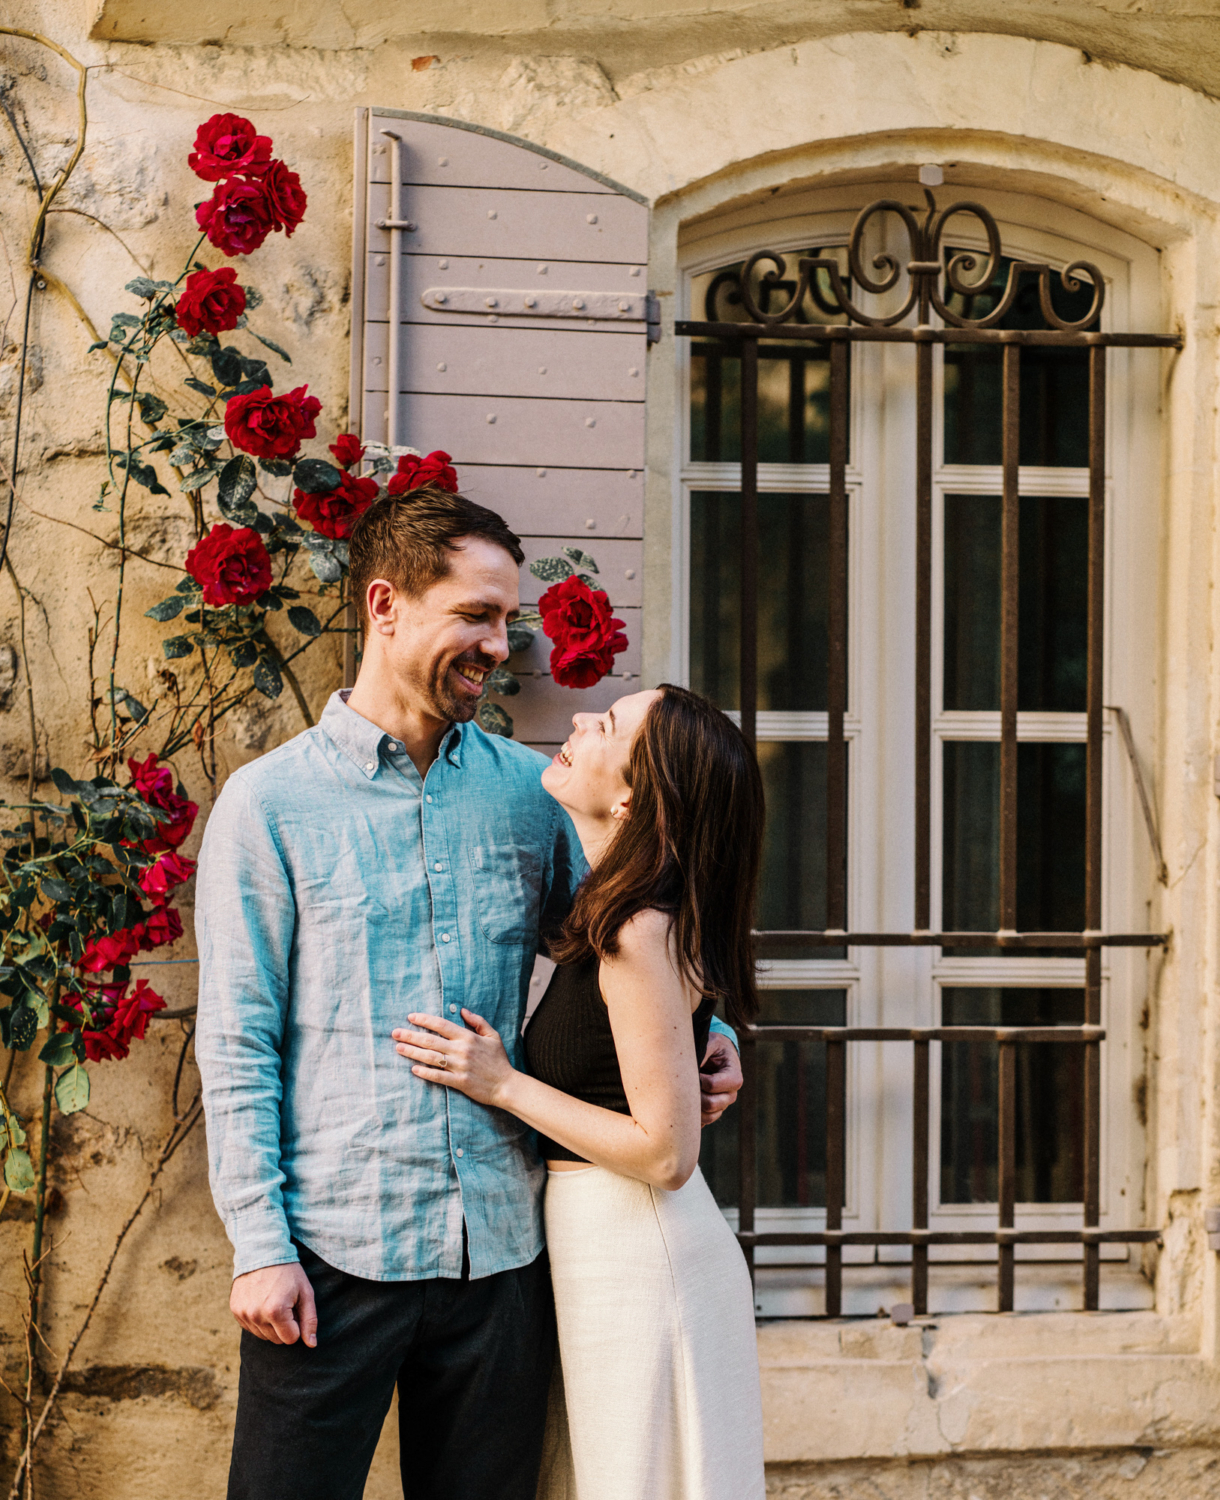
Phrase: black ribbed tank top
(569, 1044)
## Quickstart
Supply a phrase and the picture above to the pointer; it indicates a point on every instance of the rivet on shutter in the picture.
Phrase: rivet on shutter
(633, 371)
(543, 165)
(442, 161)
(590, 524)
(531, 302)
(541, 473)
(442, 367)
(590, 421)
(443, 264)
(630, 475)
(491, 213)
(440, 297)
(590, 218)
(542, 369)
(381, 260)
(624, 307)
(491, 301)
(542, 270)
(491, 417)
(635, 270)
(630, 573)
(376, 359)
(578, 303)
(493, 317)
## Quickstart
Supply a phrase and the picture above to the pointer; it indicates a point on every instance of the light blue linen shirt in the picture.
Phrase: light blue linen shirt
(338, 891)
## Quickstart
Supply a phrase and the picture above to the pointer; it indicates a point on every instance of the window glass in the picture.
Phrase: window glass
(1049, 1098)
(792, 602)
(1052, 625)
(791, 1108)
(1050, 844)
(1054, 382)
(792, 894)
(793, 379)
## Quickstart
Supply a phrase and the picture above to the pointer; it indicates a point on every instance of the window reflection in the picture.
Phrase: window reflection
(791, 1081)
(1052, 626)
(1054, 382)
(1049, 1102)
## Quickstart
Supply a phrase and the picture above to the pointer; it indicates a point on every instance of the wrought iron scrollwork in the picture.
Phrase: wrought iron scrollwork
(925, 267)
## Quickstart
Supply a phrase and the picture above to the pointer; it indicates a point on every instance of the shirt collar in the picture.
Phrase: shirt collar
(362, 741)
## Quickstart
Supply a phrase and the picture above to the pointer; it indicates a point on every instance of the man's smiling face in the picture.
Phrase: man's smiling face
(448, 639)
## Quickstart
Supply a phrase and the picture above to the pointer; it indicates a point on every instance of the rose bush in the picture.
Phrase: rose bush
(228, 146)
(335, 512)
(230, 565)
(271, 426)
(211, 303)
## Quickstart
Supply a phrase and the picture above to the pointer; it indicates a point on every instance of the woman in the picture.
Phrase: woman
(653, 1301)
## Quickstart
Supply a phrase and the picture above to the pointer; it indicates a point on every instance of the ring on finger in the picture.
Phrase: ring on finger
(443, 1063)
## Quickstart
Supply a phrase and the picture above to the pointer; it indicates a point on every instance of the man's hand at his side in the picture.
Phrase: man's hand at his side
(719, 1077)
(276, 1303)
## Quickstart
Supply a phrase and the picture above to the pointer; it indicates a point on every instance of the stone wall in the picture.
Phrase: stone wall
(1104, 108)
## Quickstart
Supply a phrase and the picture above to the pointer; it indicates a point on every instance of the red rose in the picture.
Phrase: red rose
(238, 217)
(155, 783)
(171, 870)
(164, 926)
(119, 1018)
(212, 301)
(348, 450)
(111, 951)
(271, 426)
(587, 636)
(231, 566)
(414, 471)
(285, 197)
(334, 513)
(226, 145)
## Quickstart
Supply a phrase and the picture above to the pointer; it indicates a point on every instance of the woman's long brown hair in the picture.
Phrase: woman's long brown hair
(691, 846)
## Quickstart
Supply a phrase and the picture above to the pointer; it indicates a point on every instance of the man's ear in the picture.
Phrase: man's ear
(381, 597)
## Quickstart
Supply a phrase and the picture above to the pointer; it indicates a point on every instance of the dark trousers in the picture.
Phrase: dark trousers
(472, 1363)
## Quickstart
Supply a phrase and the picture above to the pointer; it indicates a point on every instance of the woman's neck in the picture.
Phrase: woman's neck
(594, 834)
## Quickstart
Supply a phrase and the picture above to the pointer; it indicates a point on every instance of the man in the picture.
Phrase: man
(394, 858)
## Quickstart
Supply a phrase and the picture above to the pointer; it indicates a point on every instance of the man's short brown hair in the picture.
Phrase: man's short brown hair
(407, 539)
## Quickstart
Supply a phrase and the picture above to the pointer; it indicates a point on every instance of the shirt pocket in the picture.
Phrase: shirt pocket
(507, 881)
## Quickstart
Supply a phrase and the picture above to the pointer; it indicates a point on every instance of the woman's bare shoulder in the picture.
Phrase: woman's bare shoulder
(648, 934)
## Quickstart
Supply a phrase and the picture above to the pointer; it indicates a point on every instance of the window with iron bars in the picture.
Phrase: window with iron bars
(944, 1068)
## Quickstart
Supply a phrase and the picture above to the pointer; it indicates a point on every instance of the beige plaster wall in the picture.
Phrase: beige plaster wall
(699, 109)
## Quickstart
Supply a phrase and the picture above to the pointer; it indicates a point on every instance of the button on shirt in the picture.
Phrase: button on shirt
(335, 895)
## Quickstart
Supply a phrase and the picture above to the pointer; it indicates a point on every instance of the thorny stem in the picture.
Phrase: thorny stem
(40, 1202)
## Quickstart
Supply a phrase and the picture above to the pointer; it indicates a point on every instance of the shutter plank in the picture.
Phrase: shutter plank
(594, 503)
(541, 361)
(444, 155)
(510, 223)
(542, 711)
(517, 430)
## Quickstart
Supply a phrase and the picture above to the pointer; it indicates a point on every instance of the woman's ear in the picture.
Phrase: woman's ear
(621, 808)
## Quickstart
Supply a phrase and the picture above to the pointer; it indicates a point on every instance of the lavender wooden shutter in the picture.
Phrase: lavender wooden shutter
(517, 281)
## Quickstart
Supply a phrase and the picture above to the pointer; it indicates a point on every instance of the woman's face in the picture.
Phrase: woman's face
(587, 775)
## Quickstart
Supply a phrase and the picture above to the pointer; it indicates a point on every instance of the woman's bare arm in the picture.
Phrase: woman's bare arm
(649, 1005)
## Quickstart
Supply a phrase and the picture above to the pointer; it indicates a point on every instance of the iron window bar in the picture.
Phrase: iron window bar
(934, 276)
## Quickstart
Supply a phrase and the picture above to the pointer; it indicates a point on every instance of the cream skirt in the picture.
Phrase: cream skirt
(656, 1346)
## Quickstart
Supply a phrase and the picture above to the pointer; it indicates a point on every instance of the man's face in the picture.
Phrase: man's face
(444, 643)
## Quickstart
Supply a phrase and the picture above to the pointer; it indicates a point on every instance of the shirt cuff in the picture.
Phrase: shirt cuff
(260, 1238)
(719, 1025)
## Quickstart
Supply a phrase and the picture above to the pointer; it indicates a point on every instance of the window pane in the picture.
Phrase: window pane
(793, 379)
(1054, 383)
(1049, 1103)
(791, 1109)
(1050, 844)
(1052, 634)
(793, 886)
(792, 610)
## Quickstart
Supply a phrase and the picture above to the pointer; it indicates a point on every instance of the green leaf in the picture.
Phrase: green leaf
(126, 320)
(244, 655)
(143, 287)
(531, 619)
(201, 386)
(325, 566)
(101, 344)
(167, 609)
(152, 408)
(267, 678)
(275, 348)
(58, 1050)
(493, 719)
(501, 681)
(551, 569)
(316, 477)
(197, 479)
(304, 620)
(176, 646)
(57, 890)
(19, 1171)
(23, 1028)
(228, 365)
(72, 1090)
(520, 637)
(63, 781)
(581, 559)
(143, 474)
(254, 298)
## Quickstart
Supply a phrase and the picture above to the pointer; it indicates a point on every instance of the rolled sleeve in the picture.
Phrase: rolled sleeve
(244, 922)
